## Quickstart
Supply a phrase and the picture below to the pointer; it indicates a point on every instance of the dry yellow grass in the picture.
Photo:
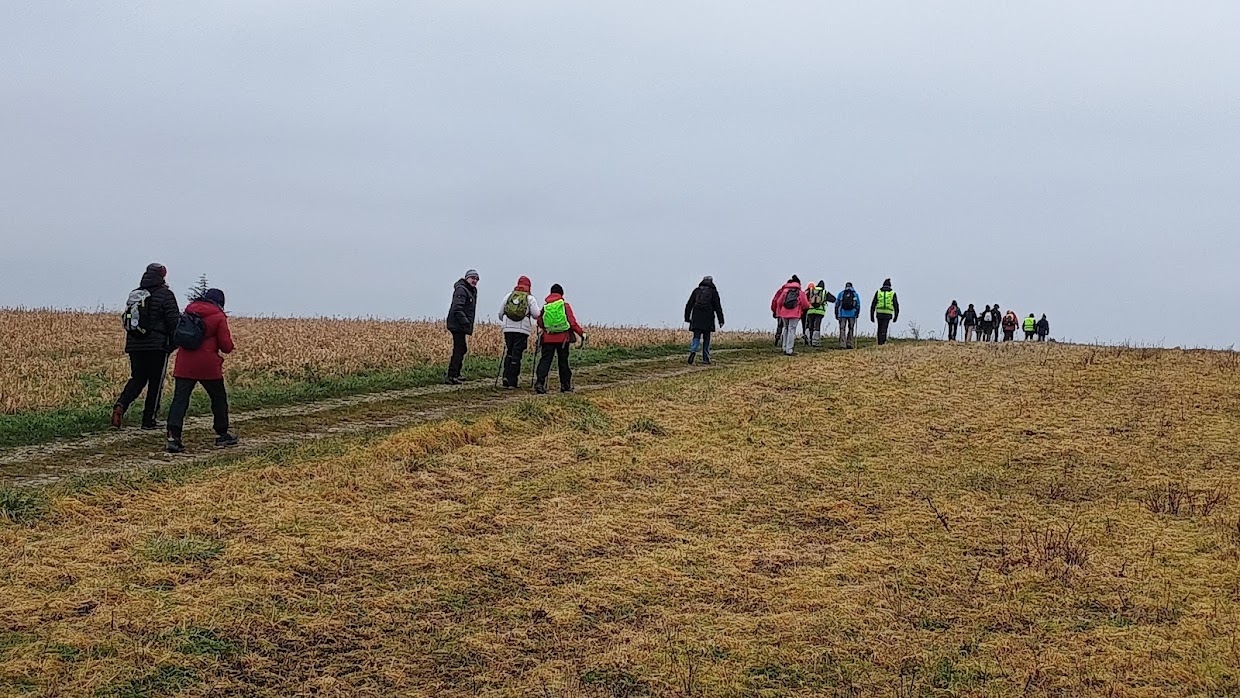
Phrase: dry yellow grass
(55, 359)
(913, 520)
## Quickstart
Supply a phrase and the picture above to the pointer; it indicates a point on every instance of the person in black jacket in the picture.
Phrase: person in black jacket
(700, 312)
(149, 346)
(1043, 328)
(970, 323)
(461, 322)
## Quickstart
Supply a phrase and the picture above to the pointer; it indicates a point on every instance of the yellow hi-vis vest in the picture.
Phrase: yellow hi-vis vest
(1030, 323)
(886, 303)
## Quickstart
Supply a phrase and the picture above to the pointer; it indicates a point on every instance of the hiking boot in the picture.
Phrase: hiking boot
(118, 417)
(705, 362)
(540, 389)
(692, 356)
(566, 389)
(225, 440)
(151, 426)
(174, 446)
(457, 380)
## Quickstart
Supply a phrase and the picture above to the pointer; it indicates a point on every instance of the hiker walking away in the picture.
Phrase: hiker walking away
(560, 329)
(887, 308)
(1009, 325)
(202, 335)
(700, 312)
(970, 324)
(952, 318)
(516, 315)
(818, 297)
(150, 317)
(1043, 328)
(1029, 326)
(787, 305)
(997, 316)
(847, 308)
(986, 324)
(461, 322)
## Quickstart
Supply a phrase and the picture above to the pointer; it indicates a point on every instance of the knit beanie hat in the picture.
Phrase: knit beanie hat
(556, 288)
(795, 279)
(214, 295)
(472, 274)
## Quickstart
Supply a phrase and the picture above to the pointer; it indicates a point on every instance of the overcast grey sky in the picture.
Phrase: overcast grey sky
(1080, 159)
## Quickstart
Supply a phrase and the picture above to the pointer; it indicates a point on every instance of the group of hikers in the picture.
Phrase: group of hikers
(155, 328)
(986, 325)
(807, 307)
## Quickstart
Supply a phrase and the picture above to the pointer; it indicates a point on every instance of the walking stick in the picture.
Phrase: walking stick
(159, 392)
(534, 363)
(503, 357)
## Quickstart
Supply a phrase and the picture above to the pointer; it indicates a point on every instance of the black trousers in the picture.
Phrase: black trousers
(180, 405)
(459, 349)
(883, 322)
(951, 330)
(515, 344)
(559, 351)
(146, 370)
(1008, 334)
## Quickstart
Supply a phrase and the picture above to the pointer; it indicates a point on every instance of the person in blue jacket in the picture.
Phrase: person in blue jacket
(847, 308)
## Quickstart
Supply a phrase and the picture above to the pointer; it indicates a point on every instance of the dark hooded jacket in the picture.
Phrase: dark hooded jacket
(703, 307)
(1043, 327)
(464, 306)
(163, 314)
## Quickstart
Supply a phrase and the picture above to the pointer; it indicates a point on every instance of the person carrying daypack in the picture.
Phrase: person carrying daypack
(150, 318)
(952, 318)
(205, 324)
(986, 322)
(997, 317)
(819, 297)
(887, 309)
(787, 305)
(1043, 328)
(560, 329)
(461, 322)
(847, 308)
(700, 312)
(1029, 326)
(970, 323)
(1009, 325)
(517, 313)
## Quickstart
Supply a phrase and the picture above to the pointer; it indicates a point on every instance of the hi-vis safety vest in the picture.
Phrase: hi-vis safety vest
(555, 318)
(1030, 323)
(886, 303)
(817, 300)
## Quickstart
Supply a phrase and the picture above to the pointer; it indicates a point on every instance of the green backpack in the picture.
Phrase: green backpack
(517, 308)
(555, 318)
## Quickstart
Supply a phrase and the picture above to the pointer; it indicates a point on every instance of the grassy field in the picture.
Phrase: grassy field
(920, 519)
(63, 370)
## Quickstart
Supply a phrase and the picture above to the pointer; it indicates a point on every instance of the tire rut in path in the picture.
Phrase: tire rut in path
(48, 471)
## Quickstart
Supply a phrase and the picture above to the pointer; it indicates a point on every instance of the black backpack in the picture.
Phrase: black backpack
(191, 331)
(705, 298)
(848, 299)
(792, 297)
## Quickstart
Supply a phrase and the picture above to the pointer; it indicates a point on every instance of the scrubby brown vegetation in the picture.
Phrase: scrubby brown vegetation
(910, 520)
(56, 359)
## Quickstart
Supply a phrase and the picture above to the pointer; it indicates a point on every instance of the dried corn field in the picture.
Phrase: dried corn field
(55, 359)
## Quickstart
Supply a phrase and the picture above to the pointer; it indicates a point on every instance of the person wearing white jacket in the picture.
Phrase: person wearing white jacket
(518, 313)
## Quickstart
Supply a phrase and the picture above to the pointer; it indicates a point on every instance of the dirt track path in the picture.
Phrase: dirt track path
(276, 426)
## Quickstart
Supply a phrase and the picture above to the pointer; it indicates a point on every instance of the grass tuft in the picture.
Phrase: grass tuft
(184, 549)
(23, 505)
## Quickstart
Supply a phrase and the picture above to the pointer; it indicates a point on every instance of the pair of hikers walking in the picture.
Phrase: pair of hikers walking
(521, 316)
(154, 329)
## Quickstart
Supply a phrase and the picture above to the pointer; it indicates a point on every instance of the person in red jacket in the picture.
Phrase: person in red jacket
(559, 330)
(787, 305)
(203, 365)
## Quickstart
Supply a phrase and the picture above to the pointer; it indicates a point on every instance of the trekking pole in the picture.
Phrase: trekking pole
(503, 356)
(534, 362)
(159, 392)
